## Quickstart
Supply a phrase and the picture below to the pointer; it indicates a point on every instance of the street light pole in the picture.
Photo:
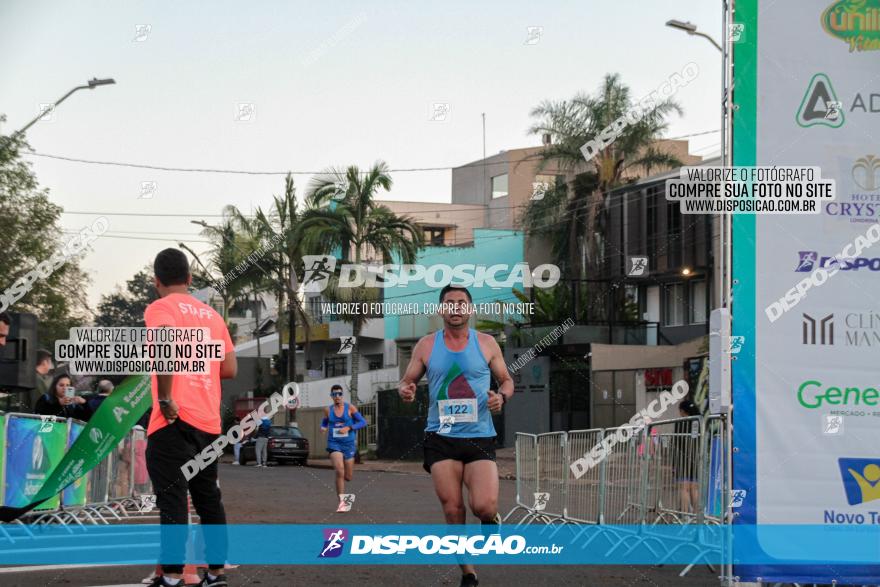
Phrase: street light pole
(725, 277)
(90, 85)
(691, 29)
(722, 286)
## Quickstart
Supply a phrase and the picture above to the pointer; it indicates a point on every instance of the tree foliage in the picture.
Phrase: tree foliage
(30, 233)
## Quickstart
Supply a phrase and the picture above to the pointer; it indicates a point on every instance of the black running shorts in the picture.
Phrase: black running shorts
(466, 450)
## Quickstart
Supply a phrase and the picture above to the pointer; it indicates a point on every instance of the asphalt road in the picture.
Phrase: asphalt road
(288, 494)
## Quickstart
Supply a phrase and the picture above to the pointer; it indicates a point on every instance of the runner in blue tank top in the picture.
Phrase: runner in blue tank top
(341, 421)
(460, 437)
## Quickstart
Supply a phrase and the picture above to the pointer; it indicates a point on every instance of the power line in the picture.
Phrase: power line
(154, 167)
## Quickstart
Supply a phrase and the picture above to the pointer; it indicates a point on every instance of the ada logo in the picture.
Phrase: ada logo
(861, 479)
(856, 22)
(820, 105)
(334, 542)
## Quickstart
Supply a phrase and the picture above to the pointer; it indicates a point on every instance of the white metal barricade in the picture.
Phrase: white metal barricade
(553, 473)
(526, 477)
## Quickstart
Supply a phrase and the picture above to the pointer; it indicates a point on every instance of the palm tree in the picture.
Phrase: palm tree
(221, 259)
(282, 225)
(570, 124)
(345, 217)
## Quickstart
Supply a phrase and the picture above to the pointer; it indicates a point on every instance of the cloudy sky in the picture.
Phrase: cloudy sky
(300, 86)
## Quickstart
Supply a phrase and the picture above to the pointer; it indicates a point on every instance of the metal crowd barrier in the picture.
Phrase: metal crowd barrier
(666, 473)
(32, 445)
(526, 477)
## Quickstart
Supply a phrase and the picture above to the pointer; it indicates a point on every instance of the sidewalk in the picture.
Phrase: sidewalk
(505, 457)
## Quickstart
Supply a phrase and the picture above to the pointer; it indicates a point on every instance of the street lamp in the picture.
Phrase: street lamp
(90, 85)
(691, 29)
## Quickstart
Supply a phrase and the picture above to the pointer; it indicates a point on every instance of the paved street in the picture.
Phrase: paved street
(289, 494)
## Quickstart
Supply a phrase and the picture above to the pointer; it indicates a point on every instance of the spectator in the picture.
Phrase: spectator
(236, 447)
(44, 377)
(58, 401)
(686, 457)
(105, 388)
(262, 442)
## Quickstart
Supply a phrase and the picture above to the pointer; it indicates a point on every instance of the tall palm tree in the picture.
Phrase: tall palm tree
(221, 259)
(254, 273)
(282, 225)
(345, 217)
(571, 123)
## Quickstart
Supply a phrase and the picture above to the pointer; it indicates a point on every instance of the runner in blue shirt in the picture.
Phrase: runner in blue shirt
(341, 421)
(460, 437)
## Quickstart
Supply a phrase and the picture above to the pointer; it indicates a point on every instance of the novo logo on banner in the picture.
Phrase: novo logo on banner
(856, 22)
(861, 479)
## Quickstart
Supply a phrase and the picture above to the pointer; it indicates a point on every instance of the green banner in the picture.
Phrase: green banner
(113, 420)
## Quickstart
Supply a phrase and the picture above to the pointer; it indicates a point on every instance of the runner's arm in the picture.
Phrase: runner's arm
(359, 421)
(499, 370)
(326, 421)
(414, 372)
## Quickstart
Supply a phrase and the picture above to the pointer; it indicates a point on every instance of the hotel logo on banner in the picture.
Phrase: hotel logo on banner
(856, 22)
(863, 205)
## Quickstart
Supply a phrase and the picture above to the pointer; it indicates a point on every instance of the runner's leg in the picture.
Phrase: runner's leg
(481, 479)
(447, 477)
(349, 469)
(339, 468)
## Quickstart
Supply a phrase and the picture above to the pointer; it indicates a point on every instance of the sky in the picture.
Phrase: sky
(303, 86)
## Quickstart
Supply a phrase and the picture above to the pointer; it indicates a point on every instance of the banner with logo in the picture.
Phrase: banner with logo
(806, 288)
(75, 494)
(107, 427)
(35, 447)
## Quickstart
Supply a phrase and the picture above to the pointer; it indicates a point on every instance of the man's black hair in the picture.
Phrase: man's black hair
(451, 287)
(4, 317)
(171, 267)
(335, 386)
(689, 407)
(42, 355)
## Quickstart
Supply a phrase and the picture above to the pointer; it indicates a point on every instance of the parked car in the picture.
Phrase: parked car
(286, 444)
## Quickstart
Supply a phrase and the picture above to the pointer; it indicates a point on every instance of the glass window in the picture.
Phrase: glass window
(673, 305)
(335, 367)
(435, 236)
(698, 302)
(284, 432)
(499, 186)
